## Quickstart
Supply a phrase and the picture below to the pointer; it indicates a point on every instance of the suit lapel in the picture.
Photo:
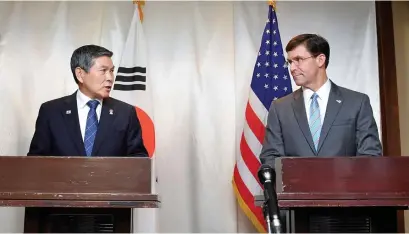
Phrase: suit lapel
(335, 102)
(70, 115)
(301, 116)
(105, 124)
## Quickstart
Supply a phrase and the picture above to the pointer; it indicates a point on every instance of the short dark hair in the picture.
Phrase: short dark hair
(84, 57)
(314, 43)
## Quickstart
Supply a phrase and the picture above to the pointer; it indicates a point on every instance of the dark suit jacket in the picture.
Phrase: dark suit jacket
(349, 128)
(57, 131)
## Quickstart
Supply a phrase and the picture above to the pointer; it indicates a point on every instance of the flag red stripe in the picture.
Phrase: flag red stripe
(249, 158)
(255, 124)
(243, 205)
(248, 197)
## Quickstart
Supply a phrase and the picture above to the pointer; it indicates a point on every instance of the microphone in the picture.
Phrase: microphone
(267, 177)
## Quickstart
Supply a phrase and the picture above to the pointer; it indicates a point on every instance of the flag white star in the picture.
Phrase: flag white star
(275, 98)
(268, 31)
(275, 54)
(275, 77)
(285, 77)
(258, 64)
(268, 42)
(274, 21)
(285, 89)
(266, 75)
(275, 65)
(275, 43)
(267, 52)
(274, 32)
(275, 88)
(267, 64)
(258, 75)
(266, 86)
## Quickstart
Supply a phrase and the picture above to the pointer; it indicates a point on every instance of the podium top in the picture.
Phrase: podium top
(342, 181)
(76, 181)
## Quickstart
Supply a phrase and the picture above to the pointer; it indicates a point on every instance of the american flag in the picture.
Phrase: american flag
(270, 81)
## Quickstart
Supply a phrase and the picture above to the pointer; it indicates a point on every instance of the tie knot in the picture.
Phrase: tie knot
(93, 104)
(314, 96)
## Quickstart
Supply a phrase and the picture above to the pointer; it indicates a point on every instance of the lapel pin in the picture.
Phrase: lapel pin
(68, 112)
(111, 112)
(339, 101)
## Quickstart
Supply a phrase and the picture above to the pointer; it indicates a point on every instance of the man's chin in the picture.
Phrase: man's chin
(104, 94)
(298, 82)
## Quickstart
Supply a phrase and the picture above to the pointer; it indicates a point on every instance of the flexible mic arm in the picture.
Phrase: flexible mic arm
(267, 177)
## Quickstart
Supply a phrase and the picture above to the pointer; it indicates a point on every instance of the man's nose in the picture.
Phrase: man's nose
(293, 67)
(110, 76)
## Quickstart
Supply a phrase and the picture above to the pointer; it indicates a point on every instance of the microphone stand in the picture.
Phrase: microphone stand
(267, 217)
(276, 224)
(271, 212)
(266, 211)
(267, 176)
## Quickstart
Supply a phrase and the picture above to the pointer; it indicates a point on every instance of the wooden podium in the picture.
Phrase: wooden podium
(341, 194)
(76, 194)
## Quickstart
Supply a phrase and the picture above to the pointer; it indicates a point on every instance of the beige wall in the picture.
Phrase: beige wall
(401, 33)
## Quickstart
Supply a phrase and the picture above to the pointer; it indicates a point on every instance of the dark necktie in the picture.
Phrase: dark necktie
(91, 127)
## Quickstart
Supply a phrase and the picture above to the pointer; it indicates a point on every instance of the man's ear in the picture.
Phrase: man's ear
(80, 74)
(321, 60)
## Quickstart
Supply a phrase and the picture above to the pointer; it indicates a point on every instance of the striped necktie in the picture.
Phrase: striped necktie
(315, 120)
(91, 127)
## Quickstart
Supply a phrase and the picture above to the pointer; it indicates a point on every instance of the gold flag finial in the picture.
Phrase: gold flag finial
(140, 4)
(272, 3)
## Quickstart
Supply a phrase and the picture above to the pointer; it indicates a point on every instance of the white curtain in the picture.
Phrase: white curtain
(201, 57)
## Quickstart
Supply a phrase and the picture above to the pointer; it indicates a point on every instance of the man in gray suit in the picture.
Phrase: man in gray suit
(320, 118)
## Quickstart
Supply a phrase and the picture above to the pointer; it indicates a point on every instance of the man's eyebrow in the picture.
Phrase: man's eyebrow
(103, 66)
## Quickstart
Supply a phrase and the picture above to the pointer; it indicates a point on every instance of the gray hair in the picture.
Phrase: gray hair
(84, 57)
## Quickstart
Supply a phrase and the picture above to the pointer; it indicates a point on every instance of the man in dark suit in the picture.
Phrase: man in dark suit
(88, 122)
(320, 118)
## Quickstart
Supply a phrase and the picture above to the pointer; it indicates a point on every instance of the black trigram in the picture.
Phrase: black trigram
(129, 79)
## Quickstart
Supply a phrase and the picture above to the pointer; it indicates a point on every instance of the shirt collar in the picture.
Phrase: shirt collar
(83, 99)
(322, 92)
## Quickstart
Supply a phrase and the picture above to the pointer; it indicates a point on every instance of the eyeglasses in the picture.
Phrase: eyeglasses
(297, 60)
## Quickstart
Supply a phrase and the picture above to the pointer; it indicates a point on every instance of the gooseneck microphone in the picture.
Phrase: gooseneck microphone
(267, 177)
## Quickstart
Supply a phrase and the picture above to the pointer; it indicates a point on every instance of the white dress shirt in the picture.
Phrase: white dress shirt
(83, 110)
(323, 95)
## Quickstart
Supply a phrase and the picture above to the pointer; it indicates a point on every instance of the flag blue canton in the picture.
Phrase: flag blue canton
(271, 79)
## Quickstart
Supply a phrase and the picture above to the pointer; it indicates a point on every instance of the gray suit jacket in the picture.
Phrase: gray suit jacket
(349, 128)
